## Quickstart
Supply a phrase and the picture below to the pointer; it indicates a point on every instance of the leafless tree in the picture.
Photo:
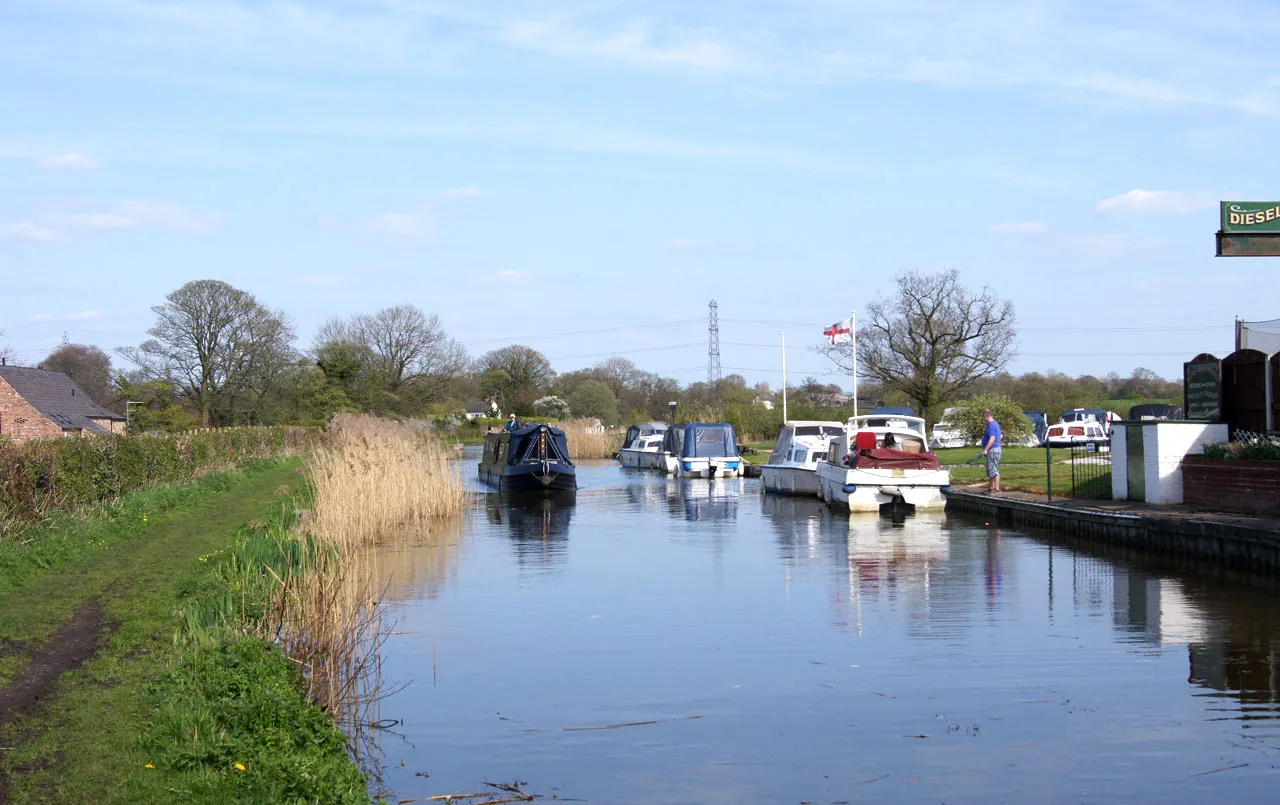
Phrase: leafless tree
(408, 347)
(89, 366)
(219, 346)
(932, 339)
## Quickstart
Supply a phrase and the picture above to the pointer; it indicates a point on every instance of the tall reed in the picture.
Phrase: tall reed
(587, 439)
(375, 480)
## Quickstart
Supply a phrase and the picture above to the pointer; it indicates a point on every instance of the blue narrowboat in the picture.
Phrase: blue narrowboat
(532, 458)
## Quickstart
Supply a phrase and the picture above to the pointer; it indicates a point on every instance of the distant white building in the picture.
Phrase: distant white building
(482, 409)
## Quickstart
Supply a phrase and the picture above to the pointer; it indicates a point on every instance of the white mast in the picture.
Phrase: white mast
(784, 377)
(853, 341)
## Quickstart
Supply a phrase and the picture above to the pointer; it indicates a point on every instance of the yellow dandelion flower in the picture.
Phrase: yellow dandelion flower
(148, 766)
(240, 767)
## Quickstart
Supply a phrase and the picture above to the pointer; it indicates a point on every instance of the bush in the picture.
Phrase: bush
(1247, 446)
(967, 418)
(41, 475)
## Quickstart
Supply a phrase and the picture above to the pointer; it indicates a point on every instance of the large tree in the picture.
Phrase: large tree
(517, 374)
(594, 398)
(220, 347)
(932, 339)
(89, 366)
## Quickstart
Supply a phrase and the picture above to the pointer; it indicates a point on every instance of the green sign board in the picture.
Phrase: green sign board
(1250, 216)
(1202, 383)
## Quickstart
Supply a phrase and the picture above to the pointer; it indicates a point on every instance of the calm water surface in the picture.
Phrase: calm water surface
(792, 655)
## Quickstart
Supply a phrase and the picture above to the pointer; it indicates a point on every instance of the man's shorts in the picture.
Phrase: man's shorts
(993, 462)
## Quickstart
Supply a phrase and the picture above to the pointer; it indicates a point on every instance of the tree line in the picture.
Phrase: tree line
(217, 356)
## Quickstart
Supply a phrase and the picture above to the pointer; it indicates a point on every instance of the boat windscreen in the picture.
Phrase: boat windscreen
(673, 441)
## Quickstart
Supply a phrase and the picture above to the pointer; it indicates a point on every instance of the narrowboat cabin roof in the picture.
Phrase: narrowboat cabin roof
(525, 440)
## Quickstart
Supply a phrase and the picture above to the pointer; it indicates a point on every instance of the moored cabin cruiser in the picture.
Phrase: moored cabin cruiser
(793, 466)
(945, 433)
(1081, 425)
(701, 450)
(641, 445)
(531, 458)
(882, 459)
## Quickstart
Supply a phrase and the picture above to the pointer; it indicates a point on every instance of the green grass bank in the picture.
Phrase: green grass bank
(158, 691)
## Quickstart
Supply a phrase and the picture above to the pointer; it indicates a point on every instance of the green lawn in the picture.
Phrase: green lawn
(87, 745)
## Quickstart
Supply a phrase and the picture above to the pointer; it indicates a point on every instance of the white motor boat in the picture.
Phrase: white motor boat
(945, 433)
(641, 445)
(1081, 425)
(882, 459)
(792, 468)
(701, 450)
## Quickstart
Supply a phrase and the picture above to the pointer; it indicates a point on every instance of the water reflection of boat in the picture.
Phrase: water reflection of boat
(697, 499)
(538, 525)
(806, 530)
(534, 458)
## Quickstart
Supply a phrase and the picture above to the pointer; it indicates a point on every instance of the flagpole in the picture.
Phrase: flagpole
(853, 341)
(784, 377)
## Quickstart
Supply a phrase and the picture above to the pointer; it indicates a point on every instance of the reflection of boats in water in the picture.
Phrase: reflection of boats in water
(537, 524)
(887, 552)
(804, 526)
(534, 458)
(698, 499)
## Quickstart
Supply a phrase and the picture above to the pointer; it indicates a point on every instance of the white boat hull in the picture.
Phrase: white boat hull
(706, 467)
(866, 490)
(636, 459)
(789, 480)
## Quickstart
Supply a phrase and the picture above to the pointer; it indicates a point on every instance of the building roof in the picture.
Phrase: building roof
(57, 397)
(478, 408)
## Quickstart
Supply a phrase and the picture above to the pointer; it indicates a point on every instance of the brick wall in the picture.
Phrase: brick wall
(19, 421)
(110, 425)
(1234, 485)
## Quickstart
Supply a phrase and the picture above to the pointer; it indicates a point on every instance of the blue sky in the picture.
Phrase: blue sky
(533, 168)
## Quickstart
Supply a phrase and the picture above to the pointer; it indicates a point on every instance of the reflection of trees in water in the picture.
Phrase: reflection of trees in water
(538, 525)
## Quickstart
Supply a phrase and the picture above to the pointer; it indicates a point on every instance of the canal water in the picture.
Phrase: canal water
(689, 641)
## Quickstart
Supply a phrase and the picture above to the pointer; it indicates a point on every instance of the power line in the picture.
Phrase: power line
(684, 323)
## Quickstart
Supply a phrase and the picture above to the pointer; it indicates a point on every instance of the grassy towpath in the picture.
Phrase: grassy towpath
(87, 620)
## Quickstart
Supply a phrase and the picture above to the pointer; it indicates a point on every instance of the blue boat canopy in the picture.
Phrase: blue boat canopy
(706, 440)
(892, 411)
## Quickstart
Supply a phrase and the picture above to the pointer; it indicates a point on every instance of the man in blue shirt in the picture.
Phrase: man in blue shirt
(512, 424)
(991, 449)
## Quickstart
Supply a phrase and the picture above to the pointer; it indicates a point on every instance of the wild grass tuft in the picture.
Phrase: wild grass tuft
(588, 440)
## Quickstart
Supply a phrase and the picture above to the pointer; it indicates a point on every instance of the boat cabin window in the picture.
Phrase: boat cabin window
(712, 443)
(799, 455)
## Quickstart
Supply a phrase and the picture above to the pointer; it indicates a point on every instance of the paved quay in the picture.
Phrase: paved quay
(1243, 541)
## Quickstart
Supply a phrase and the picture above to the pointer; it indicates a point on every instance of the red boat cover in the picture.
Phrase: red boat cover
(896, 460)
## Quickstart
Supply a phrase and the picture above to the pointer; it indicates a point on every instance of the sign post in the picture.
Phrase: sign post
(1249, 229)
(1202, 388)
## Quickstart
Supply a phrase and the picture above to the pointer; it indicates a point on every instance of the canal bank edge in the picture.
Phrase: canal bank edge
(1249, 543)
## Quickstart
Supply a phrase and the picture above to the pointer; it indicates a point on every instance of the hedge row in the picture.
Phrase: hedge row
(63, 473)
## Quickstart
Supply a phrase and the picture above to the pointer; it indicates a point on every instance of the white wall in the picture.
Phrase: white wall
(1164, 446)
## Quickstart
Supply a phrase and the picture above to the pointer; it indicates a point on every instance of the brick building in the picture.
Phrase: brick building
(39, 404)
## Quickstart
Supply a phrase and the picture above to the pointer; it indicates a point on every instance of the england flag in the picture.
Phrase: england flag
(840, 332)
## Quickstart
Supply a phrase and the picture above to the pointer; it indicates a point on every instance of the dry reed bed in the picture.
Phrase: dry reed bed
(587, 440)
(373, 481)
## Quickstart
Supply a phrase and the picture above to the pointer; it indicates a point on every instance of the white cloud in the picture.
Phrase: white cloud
(636, 42)
(29, 230)
(78, 162)
(1166, 201)
(683, 245)
(400, 225)
(175, 217)
(512, 277)
(462, 192)
(101, 220)
(322, 280)
(1021, 228)
(84, 314)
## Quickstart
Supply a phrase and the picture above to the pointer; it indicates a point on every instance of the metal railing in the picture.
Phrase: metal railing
(1090, 471)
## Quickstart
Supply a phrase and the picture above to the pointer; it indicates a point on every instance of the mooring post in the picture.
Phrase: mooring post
(1048, 470)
